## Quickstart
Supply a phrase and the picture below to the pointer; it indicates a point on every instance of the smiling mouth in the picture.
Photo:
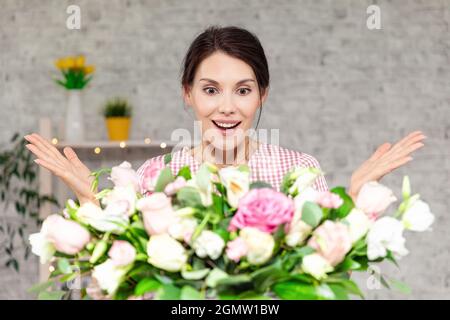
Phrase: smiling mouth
(226, 126)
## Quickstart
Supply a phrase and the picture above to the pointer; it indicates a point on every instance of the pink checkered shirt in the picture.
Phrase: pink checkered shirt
(269, 163)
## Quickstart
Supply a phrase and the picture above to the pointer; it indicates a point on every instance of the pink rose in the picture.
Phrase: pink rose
(264, 209)
(67, 236)
(122, 253)
(374, 198)
(173, 187)
(151, 175)
(157, 212)
(332, 241)
(329, 199)
(236, 249)
(123, 175)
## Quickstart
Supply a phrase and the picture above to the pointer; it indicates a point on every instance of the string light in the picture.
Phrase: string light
(147, 140)
(97, 150)
(51, 268)
(55, 141)
(163, 145)
(122, 144)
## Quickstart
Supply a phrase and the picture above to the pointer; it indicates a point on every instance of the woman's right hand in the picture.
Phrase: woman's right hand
(68, 168)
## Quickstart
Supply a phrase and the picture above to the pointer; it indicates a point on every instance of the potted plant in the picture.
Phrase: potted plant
(76, 75)
(117, 112)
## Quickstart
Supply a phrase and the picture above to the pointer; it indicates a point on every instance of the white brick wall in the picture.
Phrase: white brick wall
(338, 89)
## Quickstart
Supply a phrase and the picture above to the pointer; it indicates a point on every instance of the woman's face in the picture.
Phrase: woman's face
(225, 98)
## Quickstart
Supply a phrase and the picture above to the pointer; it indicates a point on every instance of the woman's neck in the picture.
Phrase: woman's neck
(240, 154)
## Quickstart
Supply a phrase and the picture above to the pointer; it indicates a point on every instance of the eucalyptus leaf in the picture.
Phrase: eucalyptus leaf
(311, 214)
(190, 293)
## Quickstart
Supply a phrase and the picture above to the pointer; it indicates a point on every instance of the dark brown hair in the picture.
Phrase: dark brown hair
(234, 41)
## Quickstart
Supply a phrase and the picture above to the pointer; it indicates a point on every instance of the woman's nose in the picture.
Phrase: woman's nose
(226, 106)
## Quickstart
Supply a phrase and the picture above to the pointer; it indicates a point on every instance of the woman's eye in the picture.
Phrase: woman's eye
(244, 91)
(210, 90)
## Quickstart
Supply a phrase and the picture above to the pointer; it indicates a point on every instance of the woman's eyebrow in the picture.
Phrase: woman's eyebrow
(215, 82)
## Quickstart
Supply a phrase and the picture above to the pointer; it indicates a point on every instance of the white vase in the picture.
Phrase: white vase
(74, 117)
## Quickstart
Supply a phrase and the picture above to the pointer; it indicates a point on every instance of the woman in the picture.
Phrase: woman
(226, 81)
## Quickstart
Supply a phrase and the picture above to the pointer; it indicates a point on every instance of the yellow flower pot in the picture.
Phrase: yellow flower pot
(118, 128)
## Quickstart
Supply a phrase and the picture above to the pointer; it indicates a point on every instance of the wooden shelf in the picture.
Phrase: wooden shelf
(114, 144)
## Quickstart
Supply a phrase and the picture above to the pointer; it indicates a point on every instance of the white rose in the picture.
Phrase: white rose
(236, 182)
(209, 244)
(260, 245)
(182, 228)
(111, 219)
(386, 234)
(109, 275)
(418, 217)
(317, 266)
(123, 175)
(305, 177)
(374, 198)
(298, 230)
(308, 194)
(166, 253)
(205, 193)
(358, 223)
(123, 198)
(41, 246)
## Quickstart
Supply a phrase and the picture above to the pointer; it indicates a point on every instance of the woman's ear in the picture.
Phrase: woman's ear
(264, 95)
(187, 97)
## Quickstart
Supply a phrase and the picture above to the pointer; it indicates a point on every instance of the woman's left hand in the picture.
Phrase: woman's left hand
(385, 159)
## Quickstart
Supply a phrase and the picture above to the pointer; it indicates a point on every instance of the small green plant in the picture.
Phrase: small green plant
(18, 186)
(117, 107)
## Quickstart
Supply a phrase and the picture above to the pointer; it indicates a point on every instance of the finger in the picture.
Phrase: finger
(40, 154)
(73, 158)
(52, 168)
(398, 163)
(408, 138)
(414, 140)
(382, 149)
(50, 148)
(407, 150)
(40, 146)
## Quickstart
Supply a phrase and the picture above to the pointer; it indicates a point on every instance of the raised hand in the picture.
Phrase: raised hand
(385, 159)
(68, 168)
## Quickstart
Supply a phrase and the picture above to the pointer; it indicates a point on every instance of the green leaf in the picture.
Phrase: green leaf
(146, 285)
(190, 293)
(295, 290)
(400, 286)
(167, 158)
(169, 292)
(346, 206)
(41, 286)
(349, 286)
(165, 177)
(214, 276)
(265, 277)
(185, 172)
(64, 266)
(195, 274)
(260, 185)
(51, 295)
(189, 196)
(203, 177)
(311, 214)
(348, 264)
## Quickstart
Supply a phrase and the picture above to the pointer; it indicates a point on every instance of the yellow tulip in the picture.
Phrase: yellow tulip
(70, 62)
(79, 62)
(89, 69)
(60, 64)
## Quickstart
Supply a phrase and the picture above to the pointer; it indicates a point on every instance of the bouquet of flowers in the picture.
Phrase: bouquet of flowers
(215, 235)
(75, 72)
